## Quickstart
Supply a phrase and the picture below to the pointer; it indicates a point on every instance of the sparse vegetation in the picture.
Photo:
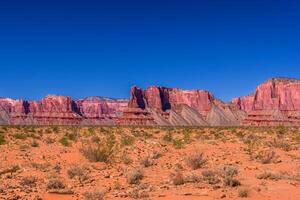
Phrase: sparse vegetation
(205, 160)
(101, 152)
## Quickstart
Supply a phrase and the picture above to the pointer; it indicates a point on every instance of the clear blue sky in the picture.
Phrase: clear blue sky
(84, 48)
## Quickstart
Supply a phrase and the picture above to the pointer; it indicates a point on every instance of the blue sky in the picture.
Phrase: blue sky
(86, 48)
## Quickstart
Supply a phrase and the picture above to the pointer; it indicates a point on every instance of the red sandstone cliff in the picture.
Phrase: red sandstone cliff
(173, 106)
(54, 109)
(276, 101)
(99, 110)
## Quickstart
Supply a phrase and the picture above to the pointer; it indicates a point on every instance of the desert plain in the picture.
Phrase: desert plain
(149, 162)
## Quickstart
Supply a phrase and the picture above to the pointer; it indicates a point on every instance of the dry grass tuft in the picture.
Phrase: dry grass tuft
(135, 176)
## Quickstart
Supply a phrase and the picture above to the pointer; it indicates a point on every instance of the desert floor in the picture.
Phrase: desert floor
(181, 163)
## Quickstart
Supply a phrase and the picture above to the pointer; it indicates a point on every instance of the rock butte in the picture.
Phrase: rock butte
(276, 101)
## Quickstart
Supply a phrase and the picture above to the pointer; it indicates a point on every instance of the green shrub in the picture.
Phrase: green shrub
(178, 143)
(187, 135)
(20, 136)
(280, 130)
(35, 143)
(168, 137)
(65, 141)
(127, 140)
(55, 129)
(2, 139)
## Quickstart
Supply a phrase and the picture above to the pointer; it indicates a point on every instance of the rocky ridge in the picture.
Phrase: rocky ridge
(276, 101)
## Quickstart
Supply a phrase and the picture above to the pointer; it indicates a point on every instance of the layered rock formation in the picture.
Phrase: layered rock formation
(173, 106)
(62, 110)
(276, 101)
(6, 106)
(99, 110)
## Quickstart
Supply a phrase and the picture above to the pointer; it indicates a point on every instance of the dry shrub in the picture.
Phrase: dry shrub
(228, 173)
(78, 171)
(134, 176)
(103, 152)
(196, 160)
(94, 195)
(2, 139)
(211, 177)
(126, 158)
(10, 169)
(266, 157)
(231, 182)
(281, 144)
(147, 162)
(29, 181)
(156, 155)
(192, 178)
(55, 184)
(177, 178)
(268, 174)
(139, 192)
(243, 192)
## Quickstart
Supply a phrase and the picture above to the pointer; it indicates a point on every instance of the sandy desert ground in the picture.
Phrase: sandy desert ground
(171, 163)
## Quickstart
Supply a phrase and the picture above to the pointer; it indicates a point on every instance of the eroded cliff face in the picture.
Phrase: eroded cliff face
(99, 110)
(276, 101)
(55, 109)
(173, 106)
(6, 106)
(52, 109)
